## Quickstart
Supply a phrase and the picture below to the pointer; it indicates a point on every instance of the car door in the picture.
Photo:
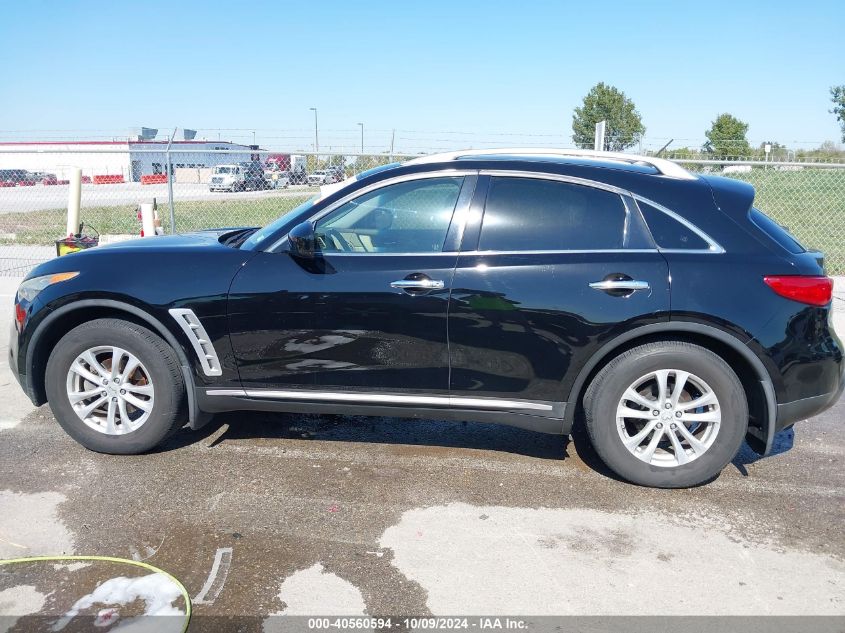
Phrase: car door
(548, 271)
(369, 313)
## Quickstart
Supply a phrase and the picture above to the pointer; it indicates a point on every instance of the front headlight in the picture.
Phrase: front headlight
(29, 289)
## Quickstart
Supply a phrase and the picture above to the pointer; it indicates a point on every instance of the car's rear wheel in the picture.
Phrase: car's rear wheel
(115, 387)
(670, 414)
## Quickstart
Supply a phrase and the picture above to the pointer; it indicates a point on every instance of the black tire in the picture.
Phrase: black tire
(605, 392)
(169, 406)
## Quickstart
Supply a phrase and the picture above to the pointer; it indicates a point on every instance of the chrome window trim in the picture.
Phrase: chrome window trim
(382, 398)
(715, 247)
(585, 251)
(372, 254)
(538, 175)
(457, 253)
(443, 173)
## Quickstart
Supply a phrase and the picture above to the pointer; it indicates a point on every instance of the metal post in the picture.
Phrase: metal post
(170, 184)
(392, 138)
(598, 145)
(362, 138)
(316, 134)
(74, 199)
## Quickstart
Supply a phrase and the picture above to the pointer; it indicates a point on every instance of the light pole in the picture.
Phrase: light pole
(362, 137)
(316, 136)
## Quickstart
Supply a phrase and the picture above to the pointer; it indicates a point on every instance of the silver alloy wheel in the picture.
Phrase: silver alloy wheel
(668, 417)
(110, 390)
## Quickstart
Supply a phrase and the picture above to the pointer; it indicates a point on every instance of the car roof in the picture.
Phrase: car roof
(640, 168)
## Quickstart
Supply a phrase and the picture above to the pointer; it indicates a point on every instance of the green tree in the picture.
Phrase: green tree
(837, 95)
(605, 103)
(726, 137)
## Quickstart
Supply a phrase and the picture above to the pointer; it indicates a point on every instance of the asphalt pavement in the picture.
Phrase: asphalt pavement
(260, 514)
(41, 197)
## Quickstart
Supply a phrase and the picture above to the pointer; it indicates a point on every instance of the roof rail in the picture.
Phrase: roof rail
(665, 167)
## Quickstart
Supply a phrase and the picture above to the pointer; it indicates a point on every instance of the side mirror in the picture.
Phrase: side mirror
(303, 241)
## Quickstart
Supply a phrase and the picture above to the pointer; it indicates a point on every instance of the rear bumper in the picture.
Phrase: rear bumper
(791, 412)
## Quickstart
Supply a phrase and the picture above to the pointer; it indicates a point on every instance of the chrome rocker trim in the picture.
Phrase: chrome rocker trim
(386, 399)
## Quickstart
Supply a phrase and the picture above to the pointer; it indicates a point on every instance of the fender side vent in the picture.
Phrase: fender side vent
(196, 333)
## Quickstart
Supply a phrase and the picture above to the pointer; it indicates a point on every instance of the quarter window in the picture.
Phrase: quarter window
(778, 233)
(529, 214)
(407, 217)
(669, 233)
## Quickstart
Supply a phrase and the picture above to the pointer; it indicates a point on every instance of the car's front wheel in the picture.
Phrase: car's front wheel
(115, 387)
(670, 414)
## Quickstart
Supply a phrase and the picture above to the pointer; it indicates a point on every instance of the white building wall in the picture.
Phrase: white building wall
(130, 160)
(60, 158)
(145, 160)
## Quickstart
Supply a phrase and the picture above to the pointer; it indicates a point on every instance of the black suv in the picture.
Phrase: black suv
(537, 289)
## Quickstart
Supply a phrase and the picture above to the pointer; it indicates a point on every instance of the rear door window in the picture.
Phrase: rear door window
(531, 214)
(778, 233)
(669, 233)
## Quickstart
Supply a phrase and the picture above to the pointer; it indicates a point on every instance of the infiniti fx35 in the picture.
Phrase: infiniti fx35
(537, 288)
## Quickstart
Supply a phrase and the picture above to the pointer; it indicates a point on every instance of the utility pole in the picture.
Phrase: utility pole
(362, 137)
(316, 134)
(170, 184)
(392, 138)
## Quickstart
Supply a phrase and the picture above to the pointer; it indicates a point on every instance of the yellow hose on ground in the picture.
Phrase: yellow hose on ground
(112, 559)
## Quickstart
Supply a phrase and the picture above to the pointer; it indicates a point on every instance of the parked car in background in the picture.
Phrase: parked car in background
(246, 176)
(325, 176)
(43, 177)
(661, 310)
(293, 164)
(276, 178)
(14, 177)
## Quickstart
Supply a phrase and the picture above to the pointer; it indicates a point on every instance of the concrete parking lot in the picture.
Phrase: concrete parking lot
(261, 514)
(41, 197)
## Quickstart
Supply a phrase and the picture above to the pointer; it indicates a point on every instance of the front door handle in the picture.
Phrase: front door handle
(418, 284)
(627, 285)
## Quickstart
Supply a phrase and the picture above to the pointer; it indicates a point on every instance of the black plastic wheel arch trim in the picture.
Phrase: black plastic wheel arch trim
(760, 441)
(157, 326)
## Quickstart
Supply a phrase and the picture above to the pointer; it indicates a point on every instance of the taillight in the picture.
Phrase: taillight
(816, 291)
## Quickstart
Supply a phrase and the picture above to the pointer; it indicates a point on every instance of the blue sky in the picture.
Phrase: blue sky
(443, 73)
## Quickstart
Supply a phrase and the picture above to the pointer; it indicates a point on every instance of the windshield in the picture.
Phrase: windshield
(291, 217)
(223, 170)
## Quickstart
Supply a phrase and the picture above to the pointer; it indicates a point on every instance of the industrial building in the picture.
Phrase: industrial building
(129, 158)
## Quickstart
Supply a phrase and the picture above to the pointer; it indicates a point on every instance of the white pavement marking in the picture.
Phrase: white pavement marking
(601, 563)
(29, 525)
(314, 591)
(214, 585)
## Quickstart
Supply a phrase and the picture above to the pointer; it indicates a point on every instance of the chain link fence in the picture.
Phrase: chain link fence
(220, 185)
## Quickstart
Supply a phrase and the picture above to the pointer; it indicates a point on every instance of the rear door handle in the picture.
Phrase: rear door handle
(631, 285)
(418, 284)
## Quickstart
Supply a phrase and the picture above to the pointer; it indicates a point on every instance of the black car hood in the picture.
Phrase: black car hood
(166, 255)
(211, 238)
